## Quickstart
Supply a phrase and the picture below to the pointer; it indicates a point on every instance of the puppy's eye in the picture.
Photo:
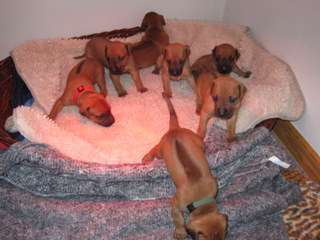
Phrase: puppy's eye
(120, 58)
(181, 61)
(217, 58)
(231, 58)
(100, 117)
(232, 100)
(215, 98)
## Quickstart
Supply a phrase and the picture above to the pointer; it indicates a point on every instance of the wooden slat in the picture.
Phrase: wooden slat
(298, 148)
(6, 85)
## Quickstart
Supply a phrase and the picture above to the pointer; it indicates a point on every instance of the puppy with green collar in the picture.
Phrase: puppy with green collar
(196, 188)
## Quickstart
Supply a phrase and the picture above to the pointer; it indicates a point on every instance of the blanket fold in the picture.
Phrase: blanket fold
(68, 198)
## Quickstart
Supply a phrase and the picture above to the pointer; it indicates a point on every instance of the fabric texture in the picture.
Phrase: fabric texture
(60, 197)
(273, 92)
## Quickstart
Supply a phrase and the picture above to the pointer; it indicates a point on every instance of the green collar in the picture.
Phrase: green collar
(192, 206)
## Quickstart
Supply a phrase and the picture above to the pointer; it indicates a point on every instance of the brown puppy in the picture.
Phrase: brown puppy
(219, 97)
(80, 91)
(115, 56)
(183, 153)
(175, 66)
(146, 51)
(221, 62)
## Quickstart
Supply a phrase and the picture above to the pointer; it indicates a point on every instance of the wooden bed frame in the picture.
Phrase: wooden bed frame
(298, 148)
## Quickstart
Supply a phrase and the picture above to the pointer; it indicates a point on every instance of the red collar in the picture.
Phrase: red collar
(79, 90)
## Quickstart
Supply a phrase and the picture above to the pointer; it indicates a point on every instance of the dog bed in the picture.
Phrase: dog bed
(79, 190)
(273, 92)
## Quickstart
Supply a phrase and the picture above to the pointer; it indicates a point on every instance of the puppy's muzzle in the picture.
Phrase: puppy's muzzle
(175, 67)
(223, 113)
(106, 120)
(175, 72)
(116, 70)
(224, 68)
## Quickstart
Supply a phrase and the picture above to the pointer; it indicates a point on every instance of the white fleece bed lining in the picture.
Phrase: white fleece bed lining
(141, 119)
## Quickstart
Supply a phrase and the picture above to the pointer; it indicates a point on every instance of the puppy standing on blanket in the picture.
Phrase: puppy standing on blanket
(80, 91)
(220, 97)
(221, 62)
(196, 188)
(148, 49)
(175, 65)
(115, 56)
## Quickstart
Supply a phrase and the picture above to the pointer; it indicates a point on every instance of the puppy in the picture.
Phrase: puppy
(80, 91)
(221, 62)
(183, 153)
(219, 97)
(115, 56)
(147, 50)
(175, 66)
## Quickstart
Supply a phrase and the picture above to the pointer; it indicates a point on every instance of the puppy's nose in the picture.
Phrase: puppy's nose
(223, 113)
(107, 120)
(110, 121)
(225, 69)
(116, 70)
(175, 72)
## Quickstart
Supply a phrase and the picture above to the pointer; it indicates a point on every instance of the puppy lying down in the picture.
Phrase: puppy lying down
(140, 121)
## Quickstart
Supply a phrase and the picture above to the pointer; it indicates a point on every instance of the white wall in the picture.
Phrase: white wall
(33, 19)
(288, 29)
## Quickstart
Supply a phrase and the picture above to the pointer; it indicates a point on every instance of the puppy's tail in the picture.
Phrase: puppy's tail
(173, 122)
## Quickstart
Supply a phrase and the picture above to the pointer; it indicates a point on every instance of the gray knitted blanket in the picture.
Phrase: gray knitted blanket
(45, 195)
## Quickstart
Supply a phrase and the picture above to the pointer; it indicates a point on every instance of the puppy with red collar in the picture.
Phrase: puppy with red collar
(80, 91)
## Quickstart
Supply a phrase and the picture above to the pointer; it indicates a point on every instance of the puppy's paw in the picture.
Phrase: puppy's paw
(147, 158)
(198, 109)
(142, 90)
(180, 234)
(169, 95)
(156, 71)
(231, 139)
(247, 74)
(122, 94)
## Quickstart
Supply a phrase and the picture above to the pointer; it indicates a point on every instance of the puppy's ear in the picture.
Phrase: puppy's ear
(78, 70)
(242, 90)
(165, 52)
(84, 111)
(194, 235)
(237, 54)
(128, 47)
(188, 51)
(214, 52)
(144, 24)
(163, 21)
(106, 52)
(211, 87)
